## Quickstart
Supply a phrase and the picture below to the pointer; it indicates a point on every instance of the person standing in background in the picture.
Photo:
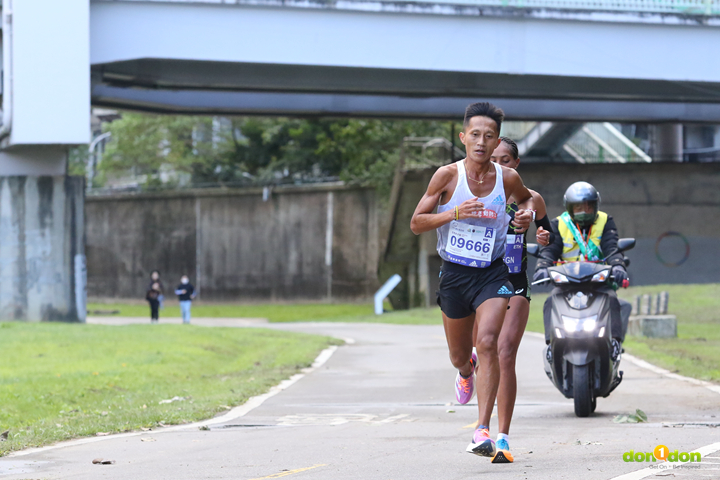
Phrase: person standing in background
(155, 278)
(152, 297)
(185, 292)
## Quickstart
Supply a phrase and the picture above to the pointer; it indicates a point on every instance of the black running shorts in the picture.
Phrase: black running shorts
(521, 287)
(463, 289)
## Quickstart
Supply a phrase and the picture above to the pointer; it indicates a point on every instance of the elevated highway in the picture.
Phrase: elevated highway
(622, 61)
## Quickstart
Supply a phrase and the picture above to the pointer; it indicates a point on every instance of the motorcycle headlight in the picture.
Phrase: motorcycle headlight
(569, 323)
(587, 324)
(559, 277)
(601, 277)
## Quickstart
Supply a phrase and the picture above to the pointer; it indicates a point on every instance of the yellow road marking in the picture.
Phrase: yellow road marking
(290, 472)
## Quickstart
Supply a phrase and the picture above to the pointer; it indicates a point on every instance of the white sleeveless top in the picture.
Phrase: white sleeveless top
(475, 242)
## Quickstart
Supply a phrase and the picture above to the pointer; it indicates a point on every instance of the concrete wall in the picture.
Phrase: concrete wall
(234, 245)
(41, 239)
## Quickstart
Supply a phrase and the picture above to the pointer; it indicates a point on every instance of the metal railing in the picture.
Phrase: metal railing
(681, 7)
(603, 143)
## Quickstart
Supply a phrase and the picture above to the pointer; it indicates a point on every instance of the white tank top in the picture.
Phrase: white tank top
(475, 242)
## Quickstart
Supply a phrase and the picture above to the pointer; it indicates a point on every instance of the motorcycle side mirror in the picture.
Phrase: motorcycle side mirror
(533, 249)
(624, 244)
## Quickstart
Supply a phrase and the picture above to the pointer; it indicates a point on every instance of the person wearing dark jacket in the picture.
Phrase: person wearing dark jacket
(583, 232)
(185, 292)
(152, 294)
(155, 278)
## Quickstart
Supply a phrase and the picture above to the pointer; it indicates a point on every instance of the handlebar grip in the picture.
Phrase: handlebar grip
(626, 283)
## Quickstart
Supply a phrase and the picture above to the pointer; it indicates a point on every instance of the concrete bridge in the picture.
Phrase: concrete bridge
(551, 60)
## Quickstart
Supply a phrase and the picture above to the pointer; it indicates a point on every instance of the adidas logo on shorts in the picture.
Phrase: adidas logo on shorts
(504, 291)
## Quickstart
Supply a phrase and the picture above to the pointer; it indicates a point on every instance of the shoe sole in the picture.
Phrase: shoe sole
(503, 456)
(484, 449)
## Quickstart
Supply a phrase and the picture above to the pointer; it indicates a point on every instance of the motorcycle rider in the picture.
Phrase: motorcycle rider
(583, 232)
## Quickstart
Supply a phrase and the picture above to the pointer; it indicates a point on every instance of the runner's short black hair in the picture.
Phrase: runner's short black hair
(513, 147)
(484, 109)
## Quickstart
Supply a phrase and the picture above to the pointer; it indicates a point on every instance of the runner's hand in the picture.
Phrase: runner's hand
(543, 237)
(470, 209)
(522, 220)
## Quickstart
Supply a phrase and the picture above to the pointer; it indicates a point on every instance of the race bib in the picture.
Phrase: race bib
(470, 245)
(513, 253)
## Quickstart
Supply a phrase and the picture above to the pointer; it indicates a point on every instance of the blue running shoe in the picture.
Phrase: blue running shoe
(503, 454)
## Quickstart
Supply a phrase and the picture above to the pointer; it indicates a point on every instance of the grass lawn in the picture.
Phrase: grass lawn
(61, 381)
(696, 351)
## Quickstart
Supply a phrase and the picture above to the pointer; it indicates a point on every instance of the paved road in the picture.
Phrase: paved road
(379, 409)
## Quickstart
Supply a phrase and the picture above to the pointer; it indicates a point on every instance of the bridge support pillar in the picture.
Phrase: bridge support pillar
(668, 142)
(42, 261)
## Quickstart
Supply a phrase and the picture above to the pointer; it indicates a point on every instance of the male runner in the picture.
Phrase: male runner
(471, 223)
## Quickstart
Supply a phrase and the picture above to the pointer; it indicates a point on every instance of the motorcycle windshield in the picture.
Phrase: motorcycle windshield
(582, 271)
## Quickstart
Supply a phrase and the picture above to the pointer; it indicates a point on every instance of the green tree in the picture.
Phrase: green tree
(143, 143)
(265, 150)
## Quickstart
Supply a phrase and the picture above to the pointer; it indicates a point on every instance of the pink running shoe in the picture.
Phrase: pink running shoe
(465, 387)
(482, 444)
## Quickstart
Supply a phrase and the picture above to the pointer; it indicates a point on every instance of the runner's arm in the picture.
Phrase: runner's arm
(423, 220)
(542, 222)
(551, 253)
(544, 235)
(515, 188)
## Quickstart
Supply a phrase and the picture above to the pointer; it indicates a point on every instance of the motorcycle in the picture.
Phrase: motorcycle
(579, 359)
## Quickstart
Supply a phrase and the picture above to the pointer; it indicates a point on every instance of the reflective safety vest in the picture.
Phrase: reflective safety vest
(571, 249)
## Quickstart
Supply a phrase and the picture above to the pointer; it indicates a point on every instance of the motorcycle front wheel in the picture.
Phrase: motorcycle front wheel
(582, 390)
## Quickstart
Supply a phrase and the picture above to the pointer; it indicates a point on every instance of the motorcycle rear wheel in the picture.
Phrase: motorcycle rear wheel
(582, 390)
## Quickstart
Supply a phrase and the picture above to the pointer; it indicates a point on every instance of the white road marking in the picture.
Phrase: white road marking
(339, 419)
(667, 373)
(646, 472)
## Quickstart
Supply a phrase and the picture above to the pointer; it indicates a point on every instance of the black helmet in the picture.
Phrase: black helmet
(580, 192)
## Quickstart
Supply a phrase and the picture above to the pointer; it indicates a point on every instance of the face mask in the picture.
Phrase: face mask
(184, 281)
(584, 218)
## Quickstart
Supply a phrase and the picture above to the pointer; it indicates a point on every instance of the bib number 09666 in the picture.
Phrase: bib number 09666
(469, 245)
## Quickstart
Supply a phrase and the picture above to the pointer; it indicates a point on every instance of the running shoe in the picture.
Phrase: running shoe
(503, 454)
(482, 444)
(465, 387)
